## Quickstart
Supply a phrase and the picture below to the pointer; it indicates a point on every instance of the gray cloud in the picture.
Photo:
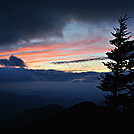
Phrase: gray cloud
(21, 74)
(78, 61)
(27, 19)
(12, 61)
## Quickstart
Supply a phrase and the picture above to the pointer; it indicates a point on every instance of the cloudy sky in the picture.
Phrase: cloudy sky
(69, 35)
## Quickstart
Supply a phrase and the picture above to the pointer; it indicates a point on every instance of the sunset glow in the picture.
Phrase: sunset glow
(41, 56)
(77, 41)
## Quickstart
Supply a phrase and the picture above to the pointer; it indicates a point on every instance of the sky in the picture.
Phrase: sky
(67, 35)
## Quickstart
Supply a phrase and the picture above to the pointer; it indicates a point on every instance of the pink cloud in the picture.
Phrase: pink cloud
(40, 53)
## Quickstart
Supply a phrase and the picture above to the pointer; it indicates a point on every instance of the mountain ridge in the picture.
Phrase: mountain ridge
(83, 117)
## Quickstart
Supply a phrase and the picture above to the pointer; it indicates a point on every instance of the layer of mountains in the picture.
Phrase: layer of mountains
(84, 117)
(27, 114)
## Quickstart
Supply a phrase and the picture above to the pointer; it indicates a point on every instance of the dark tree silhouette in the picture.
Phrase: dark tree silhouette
(120, 81)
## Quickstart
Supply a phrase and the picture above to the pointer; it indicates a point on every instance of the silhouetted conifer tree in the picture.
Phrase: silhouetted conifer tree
(120, 81)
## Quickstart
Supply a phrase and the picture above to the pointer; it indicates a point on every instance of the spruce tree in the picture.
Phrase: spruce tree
(120, 81)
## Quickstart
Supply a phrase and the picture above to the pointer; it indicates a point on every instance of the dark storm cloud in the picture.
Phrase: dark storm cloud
(12, 61)
(27, 19)
(78, 61)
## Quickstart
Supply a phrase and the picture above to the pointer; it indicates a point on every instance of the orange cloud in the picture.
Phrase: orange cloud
(53, 46)
(55, 52)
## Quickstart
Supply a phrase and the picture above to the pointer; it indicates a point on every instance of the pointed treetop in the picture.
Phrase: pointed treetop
(121, 34)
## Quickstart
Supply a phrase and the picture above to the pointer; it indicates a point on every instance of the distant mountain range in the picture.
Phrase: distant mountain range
(11, 104)
(31, 116)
